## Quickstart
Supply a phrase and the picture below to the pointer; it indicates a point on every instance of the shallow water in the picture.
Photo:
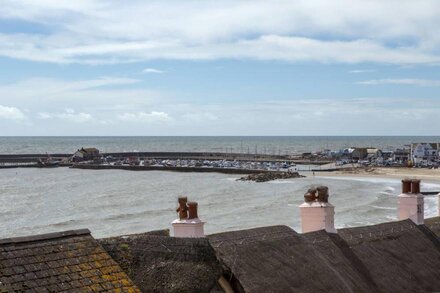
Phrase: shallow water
(116, 202)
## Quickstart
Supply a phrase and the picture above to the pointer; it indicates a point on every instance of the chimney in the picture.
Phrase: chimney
(316, 212)
(411, 202)
(188, 224)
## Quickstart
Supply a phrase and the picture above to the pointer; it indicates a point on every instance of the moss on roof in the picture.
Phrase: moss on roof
(166, 264)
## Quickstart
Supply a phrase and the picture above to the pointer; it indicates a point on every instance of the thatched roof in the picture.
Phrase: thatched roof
(337, 254)
(70, 261)
(277, 259)
(166, 264)
(399, 256)
(433, 224)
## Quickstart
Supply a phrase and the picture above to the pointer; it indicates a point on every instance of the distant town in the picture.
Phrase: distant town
(420, 155)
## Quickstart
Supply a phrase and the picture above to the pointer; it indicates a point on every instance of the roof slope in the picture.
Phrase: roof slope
(277, 259)
(433, 224)
(398, 255)
(336, 253)
(70, 261)
(166, 264)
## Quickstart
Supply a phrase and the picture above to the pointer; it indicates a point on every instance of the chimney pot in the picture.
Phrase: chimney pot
(415, 186)
(406, 186)
(192, 210)
(182, 209)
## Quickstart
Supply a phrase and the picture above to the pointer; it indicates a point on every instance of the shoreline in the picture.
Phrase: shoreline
(385, 172)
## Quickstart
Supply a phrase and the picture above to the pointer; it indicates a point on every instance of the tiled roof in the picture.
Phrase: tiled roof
(71, 261)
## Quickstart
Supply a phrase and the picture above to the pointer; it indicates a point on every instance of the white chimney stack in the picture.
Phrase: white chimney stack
(438, 204)
(316, 212)
(411, 202)
(188, 224)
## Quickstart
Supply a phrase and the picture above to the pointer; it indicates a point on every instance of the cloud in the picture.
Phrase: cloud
(332, 116)
(153, 70)
(265, 47)
(361, 71)
(56, 94)
(11, 113)
(145, 117)
(403, 81)
(95, 32)
(68, 115)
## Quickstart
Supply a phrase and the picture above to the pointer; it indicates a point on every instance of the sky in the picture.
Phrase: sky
(242, 67)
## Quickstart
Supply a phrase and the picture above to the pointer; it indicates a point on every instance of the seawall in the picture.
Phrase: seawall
(175, 169)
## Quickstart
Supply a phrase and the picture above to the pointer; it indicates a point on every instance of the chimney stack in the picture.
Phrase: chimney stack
(411, 202)
(188, 224)
(438, 204)
(316, 212)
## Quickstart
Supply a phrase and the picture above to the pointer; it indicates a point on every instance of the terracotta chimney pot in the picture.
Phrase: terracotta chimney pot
(192, 210)
(406, 186)
(415, 186)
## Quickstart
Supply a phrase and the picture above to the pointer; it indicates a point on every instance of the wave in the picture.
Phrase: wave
(384, 208)
(430, 186)
(73, 221)
(136, 214)
(365, 179)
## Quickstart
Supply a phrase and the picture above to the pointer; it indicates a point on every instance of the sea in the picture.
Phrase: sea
(118, 202)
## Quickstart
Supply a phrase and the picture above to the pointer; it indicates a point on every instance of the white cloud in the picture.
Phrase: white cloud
(333, 116)
(153, 70)
(361, 71)
(145, 117)
(11, 113)
(56, 94)
(402, 81)
(68, 115)
(98, 32)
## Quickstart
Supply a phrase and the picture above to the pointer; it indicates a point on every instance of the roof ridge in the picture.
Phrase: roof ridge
(47, 236)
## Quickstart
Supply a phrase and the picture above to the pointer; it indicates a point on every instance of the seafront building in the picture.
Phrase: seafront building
(425, 153)
(400, 256)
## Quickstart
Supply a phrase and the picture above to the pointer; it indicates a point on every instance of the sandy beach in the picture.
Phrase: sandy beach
(387, 172)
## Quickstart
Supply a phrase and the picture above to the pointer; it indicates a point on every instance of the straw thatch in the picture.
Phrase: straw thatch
(433, 224)
(277, 259)
(166, 264)
(337, 254)
(399, 256)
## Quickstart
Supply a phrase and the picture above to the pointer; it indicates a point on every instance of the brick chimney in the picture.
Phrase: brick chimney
(410, 201)
(316, 212)
(188, 224)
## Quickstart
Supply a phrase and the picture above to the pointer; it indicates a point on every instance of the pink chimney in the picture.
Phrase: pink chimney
(188, 224)
(411, 202)
(316, 212)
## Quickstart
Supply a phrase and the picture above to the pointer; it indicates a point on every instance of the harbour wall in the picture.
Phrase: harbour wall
(23, 158)
(175, 169)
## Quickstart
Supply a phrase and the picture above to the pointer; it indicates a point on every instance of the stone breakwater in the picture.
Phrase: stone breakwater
(165, 168)
(269, 176)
